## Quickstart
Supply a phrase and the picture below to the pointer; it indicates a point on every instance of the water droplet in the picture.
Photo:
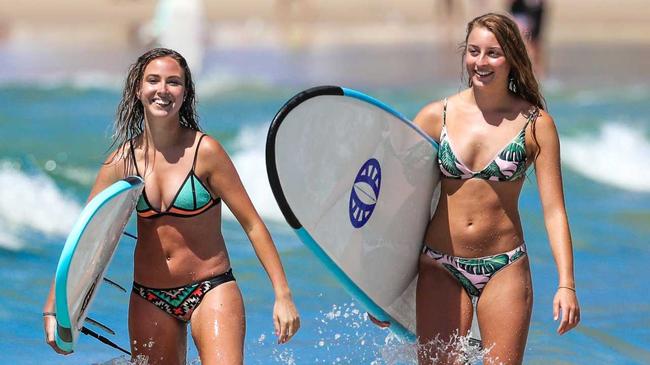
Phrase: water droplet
(50, 165)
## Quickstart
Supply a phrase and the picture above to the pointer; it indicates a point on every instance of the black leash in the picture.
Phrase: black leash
(103, 339)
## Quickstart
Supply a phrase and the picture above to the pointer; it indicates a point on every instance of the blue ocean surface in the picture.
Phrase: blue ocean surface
(55, 133)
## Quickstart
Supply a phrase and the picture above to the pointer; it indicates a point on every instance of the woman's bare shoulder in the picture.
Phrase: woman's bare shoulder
(117, 158)
(430, 112)
(210, 146)
(544, 119)
(211, 152)
(430, 118)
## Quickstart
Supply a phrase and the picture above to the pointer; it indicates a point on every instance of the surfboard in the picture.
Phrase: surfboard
(87, 253)
(355, 179)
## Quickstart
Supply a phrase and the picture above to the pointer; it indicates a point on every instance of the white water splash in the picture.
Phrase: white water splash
(30, 202)
(617, 156)
(83, 176)
(250, 161)
(124, 360)
(392, 351)
(284, 355)
(458, 348)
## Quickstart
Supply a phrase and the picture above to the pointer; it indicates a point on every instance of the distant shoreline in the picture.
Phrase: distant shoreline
(320, 23)
(586, 42)
(244, 35)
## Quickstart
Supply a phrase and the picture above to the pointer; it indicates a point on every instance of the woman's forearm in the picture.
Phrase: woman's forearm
(268, 255)
(560, 241)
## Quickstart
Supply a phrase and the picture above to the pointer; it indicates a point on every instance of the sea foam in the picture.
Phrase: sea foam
(32, 202)
(617, 156)
(250, 161)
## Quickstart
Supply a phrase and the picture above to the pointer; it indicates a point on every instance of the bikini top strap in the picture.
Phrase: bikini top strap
(135, 163)
(444, 112)
(533, 116)
(196, 153)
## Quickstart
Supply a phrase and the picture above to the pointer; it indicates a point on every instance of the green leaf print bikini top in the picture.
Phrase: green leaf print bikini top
(508, 165)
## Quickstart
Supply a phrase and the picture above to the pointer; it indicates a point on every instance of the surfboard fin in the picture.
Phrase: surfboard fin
(377, 322)
(100, 325)
(114, 284)
(103, 339)
(130, 235)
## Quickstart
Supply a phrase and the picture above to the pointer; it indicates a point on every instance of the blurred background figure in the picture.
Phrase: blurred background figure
(451, 16)
(291, 17)
(450, 12)
(179, 25)
(529, 15)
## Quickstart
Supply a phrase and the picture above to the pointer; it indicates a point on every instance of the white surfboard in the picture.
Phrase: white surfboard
(356, 180)
(87, 253)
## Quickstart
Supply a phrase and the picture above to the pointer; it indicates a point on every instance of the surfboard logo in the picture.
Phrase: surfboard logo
(365, 193)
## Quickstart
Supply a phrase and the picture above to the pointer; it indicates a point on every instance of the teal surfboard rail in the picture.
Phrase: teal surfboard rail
(369, 99)
(349, 285)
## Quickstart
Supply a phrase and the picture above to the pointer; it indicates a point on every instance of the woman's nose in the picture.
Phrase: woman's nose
(481, 59)
(162, 88)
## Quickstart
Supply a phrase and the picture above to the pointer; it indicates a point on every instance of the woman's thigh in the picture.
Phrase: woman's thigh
(443, 311)
(155, 335)
(504, 311)
(219, 326)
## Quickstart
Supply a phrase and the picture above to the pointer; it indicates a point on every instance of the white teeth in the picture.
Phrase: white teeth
(483, 73)
(161, 102)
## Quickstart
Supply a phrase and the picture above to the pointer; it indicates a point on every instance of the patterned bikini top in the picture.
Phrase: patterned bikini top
(192, 198)
(508, 165)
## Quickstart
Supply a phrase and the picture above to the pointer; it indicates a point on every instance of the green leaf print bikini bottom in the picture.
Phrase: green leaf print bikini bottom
(474, 273)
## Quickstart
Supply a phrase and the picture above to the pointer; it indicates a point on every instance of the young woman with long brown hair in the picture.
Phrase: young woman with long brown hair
(474, 257)
(182, 271)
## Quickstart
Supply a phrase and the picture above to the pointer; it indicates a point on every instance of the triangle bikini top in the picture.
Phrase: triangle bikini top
(508, 165)
(191, 199)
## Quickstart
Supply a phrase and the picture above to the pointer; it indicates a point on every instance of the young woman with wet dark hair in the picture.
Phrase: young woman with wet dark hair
(182, 271)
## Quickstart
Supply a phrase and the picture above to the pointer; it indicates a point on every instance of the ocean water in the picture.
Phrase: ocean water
(55, 131)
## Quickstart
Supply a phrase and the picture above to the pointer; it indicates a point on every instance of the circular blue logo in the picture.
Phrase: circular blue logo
(365, 193)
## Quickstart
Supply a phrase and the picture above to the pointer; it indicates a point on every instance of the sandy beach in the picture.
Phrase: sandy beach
(395, 39)
(327, 21)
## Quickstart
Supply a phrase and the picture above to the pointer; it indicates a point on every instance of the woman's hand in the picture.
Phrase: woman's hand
(49, 323)
(566, 301)
(285, 319)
